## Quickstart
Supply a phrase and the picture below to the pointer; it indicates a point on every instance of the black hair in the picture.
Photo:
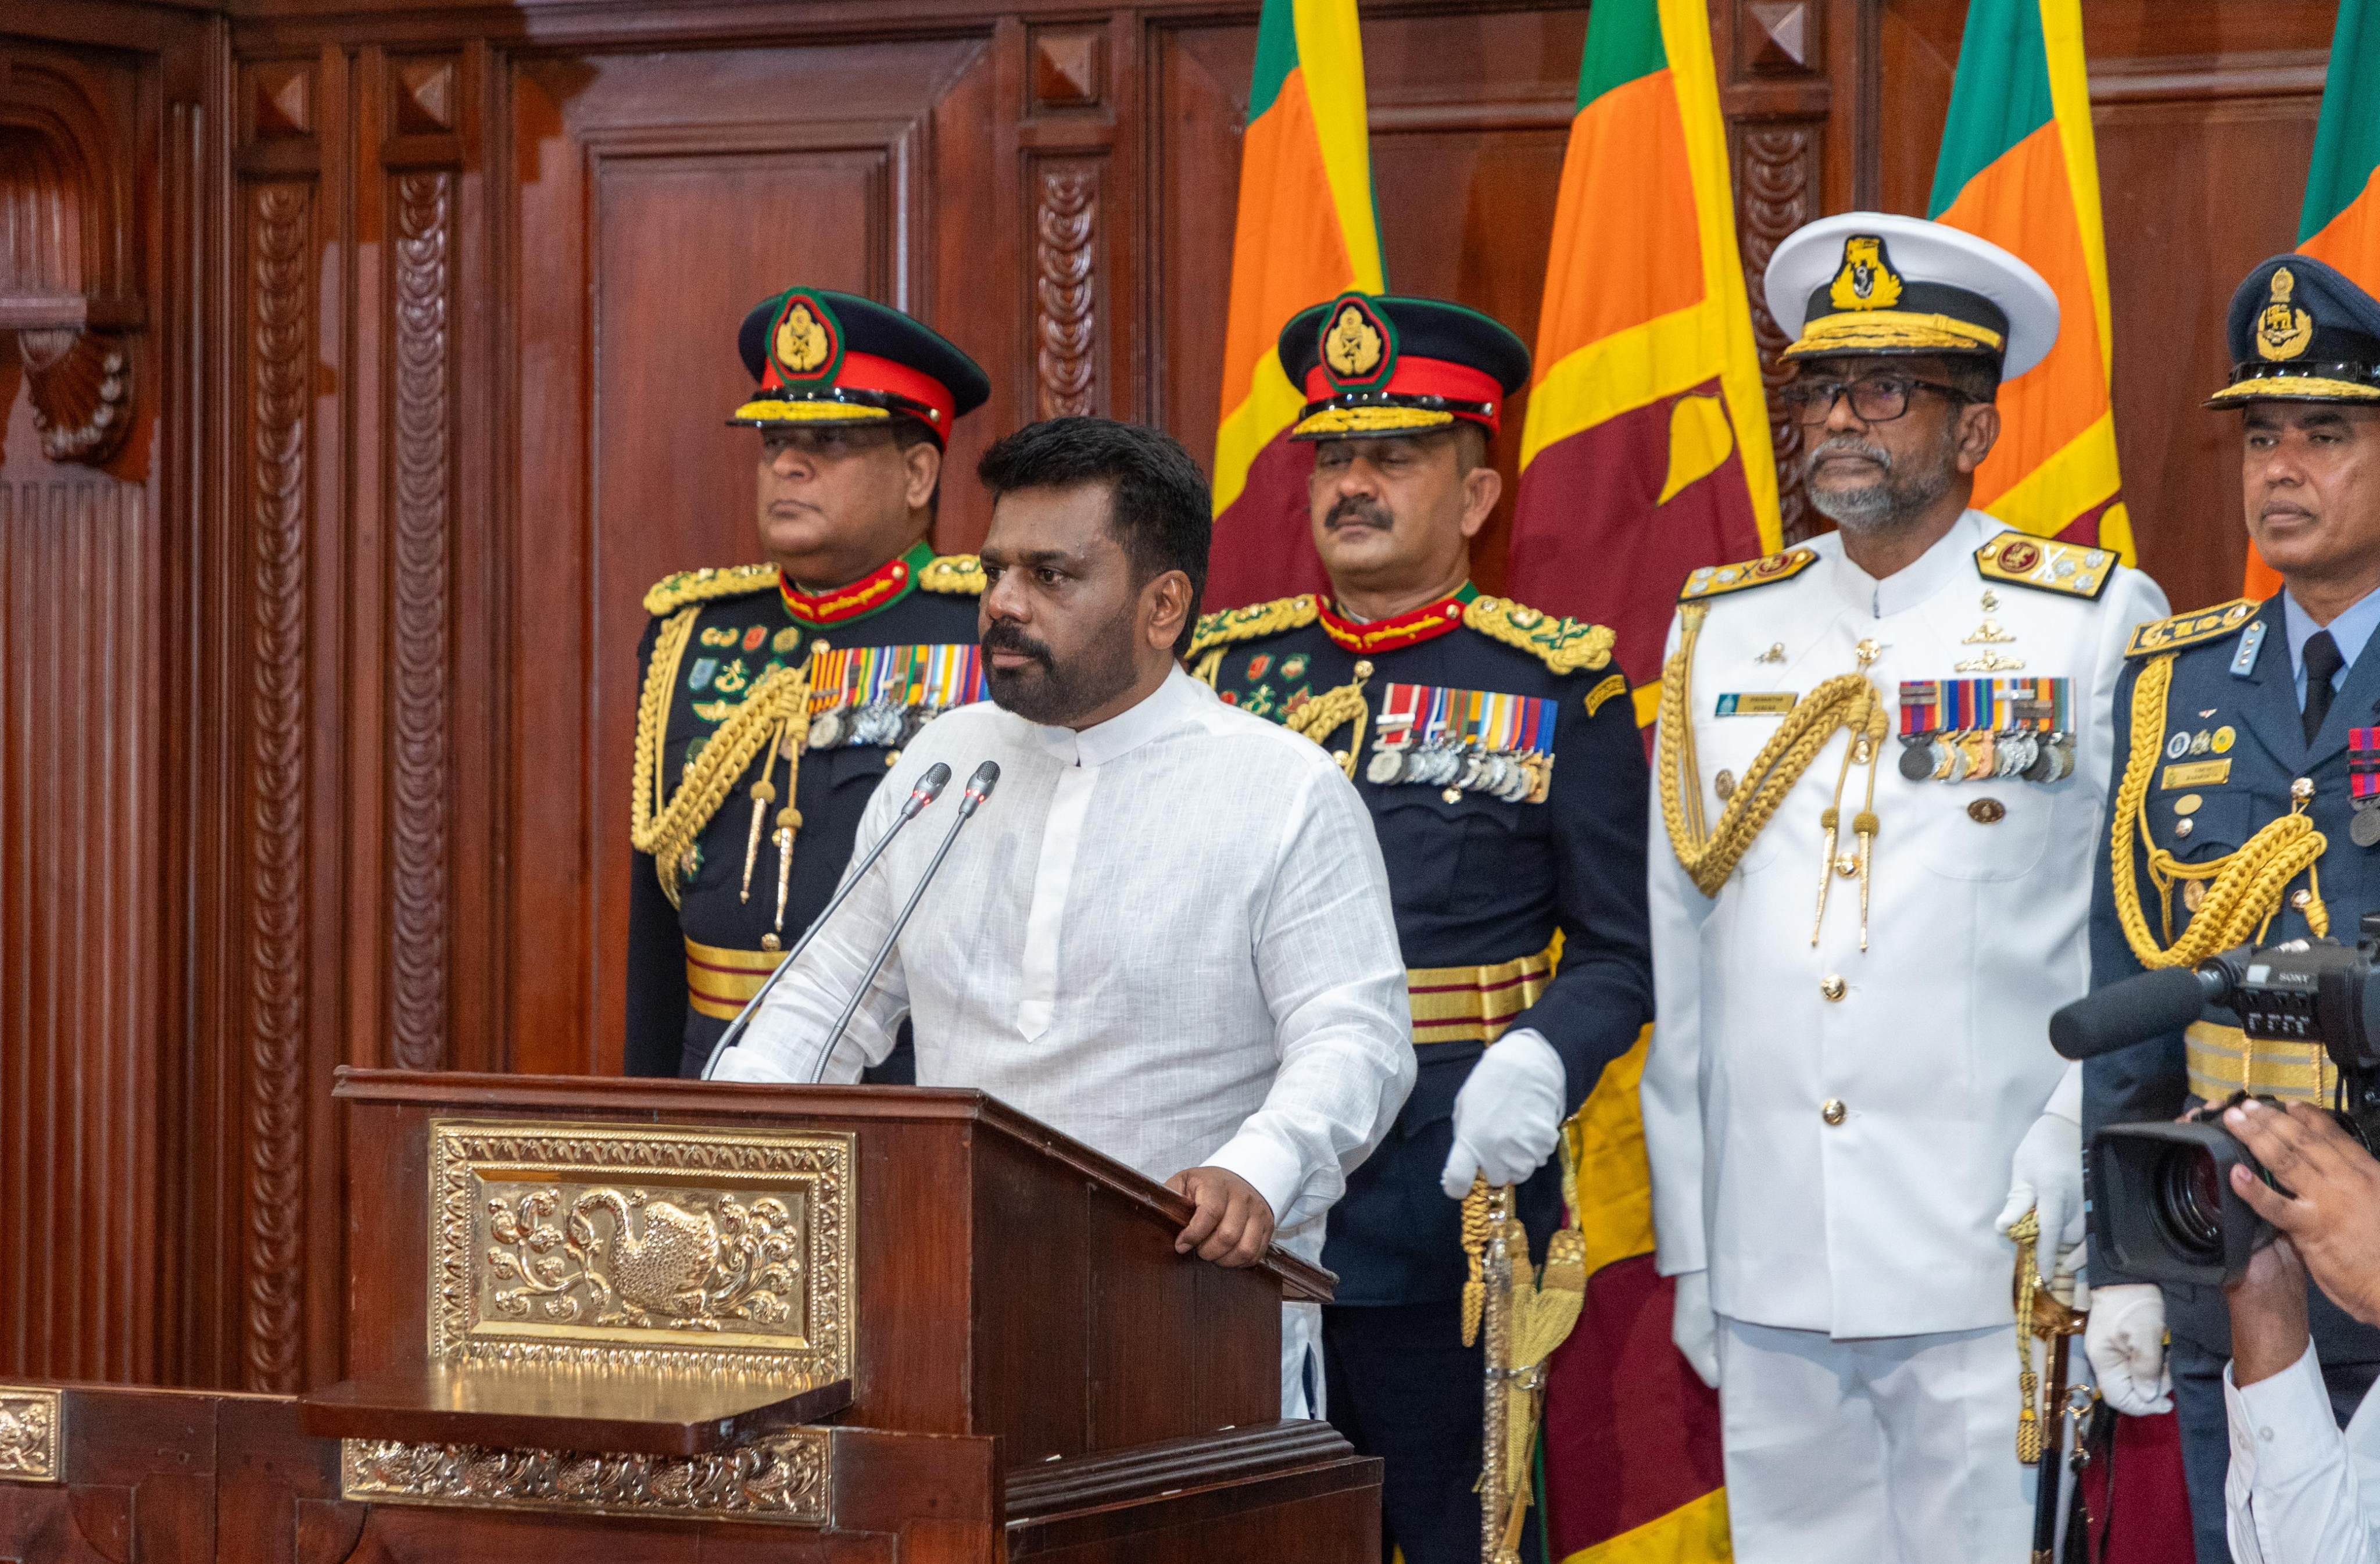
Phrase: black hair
(1158, 504)
(1973, 375)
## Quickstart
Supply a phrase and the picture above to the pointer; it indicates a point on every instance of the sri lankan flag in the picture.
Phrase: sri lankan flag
(2340, 223)
(1632, 1438)
(1645, 451)
(1306, 233)
(2019, 167)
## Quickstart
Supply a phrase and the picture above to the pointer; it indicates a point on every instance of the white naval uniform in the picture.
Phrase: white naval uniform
(1936, 1053)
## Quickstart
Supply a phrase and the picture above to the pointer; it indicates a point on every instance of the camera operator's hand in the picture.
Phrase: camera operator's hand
(2331, 1212)
(2269, 1315)
(2125, 1341)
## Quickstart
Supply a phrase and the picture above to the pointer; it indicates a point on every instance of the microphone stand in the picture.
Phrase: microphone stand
(978, 788)
(930, 787)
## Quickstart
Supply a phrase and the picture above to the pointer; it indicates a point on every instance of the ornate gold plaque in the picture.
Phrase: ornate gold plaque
(711, 1252)
(30, 1423)
(785, 1478)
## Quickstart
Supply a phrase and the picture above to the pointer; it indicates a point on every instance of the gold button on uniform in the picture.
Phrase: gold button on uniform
(1986, 811)
(2183, 826)
(2300, 898)
(892, 757)
(1833, 986)
(2187, 804)
(1452, 795)
(1833, 1111)
(2301, 789)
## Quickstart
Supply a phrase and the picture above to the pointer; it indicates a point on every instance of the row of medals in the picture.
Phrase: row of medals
(1513, 778)
(1984, 755)
(879, 722)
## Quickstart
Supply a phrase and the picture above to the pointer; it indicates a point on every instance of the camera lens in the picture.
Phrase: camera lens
(2190, 1202)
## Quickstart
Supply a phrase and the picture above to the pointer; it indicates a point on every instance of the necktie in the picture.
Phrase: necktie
(2322, 660)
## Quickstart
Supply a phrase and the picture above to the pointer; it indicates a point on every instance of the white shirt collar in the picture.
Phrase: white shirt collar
(1169, 706)
(1935, 568)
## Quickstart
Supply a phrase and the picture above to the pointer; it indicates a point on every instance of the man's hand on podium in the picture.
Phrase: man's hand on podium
(1233, 1224)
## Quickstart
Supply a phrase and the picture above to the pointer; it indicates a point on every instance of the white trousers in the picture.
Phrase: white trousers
(1896, 1450)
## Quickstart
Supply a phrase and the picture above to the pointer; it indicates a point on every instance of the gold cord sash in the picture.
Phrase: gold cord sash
(2247, 884)
(1847, 701)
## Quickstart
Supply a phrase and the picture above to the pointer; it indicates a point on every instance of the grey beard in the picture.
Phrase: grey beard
(1888, 505)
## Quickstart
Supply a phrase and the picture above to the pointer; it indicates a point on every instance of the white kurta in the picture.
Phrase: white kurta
(1168, 936)
(1937, 1051)
(2295, 1490)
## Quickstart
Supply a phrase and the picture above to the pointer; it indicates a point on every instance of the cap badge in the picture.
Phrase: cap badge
(2283, 330)
(1357, 348)
(1867, 280)
(806, 341)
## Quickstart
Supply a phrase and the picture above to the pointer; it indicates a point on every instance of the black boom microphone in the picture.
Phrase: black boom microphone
(978, 788)
(930, 787)
(2149, 1005)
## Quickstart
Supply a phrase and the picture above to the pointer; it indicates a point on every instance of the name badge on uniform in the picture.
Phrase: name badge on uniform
(1776, 703)
(1986, 730)
(883, 694)
(1464, 741)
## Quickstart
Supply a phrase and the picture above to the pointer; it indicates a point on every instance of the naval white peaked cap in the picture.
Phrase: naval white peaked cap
(1942, 273)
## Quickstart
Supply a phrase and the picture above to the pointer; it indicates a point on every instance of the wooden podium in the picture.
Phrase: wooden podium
(663, 1320)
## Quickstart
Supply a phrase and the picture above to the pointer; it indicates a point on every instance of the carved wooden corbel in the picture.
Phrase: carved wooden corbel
(82, 386)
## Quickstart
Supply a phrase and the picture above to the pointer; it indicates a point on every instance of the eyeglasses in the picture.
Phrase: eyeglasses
(1878, 399)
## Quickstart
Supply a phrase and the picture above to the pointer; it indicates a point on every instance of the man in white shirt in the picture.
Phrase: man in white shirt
(1882, 757)
(1169, 935)
(2295, 1492)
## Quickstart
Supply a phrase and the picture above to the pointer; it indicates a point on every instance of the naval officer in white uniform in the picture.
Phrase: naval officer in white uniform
(1882, 760)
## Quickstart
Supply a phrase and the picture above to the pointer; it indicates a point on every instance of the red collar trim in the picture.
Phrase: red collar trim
(1386, 634)
(880, 588)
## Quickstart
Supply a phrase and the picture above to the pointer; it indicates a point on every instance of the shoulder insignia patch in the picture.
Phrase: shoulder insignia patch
(674, 592)
(1563, 645)
(1617, 685)
(1717, 580)
(959, 574)
(2047, 565)
(1227, 625)
(2192, 629)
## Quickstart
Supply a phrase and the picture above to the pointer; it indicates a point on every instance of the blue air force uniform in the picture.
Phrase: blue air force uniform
(1497, 750)
(2222, 756)
(768, 714)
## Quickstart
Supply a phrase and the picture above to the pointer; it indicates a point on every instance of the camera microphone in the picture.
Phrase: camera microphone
(2148, 1005)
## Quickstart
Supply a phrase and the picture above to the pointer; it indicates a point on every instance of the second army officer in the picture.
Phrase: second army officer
(1497, 750)
(775, 696)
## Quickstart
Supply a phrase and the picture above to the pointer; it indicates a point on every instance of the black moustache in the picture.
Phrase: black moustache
(1004, 637)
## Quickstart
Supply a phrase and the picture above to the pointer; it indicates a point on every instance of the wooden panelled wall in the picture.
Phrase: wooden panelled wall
(314, 691)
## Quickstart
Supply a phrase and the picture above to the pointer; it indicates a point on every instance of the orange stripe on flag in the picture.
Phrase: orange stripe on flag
(2350, 241)
(1627, 164)
(2044, 412)
(1292, 225)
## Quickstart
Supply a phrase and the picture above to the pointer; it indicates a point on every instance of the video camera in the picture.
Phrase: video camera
(2161, 1203)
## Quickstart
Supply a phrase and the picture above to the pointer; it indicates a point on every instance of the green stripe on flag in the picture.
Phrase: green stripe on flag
(2000, 96)
(1623, 44)
(1276, 54)
(2347, 141)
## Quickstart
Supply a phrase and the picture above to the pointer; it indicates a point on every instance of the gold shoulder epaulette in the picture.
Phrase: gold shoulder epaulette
(1716, 580)
(2191, 629)
(674, 592)
(960, 575)
(1563, 645)
(2047, 565)
(1226, 626)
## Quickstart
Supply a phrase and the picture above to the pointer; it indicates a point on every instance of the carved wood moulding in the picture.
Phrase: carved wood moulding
(1774, 196)
(419, 663)
(1065, 287)
(280, 225)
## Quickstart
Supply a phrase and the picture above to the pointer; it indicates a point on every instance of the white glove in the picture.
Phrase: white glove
(2049, 1178)
(1508, 1116)
(2125, 1341)
(1694, 1325)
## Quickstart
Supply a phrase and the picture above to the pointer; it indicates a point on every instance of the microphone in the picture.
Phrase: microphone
(2141, 1007)
(978, 788)
(930, 787)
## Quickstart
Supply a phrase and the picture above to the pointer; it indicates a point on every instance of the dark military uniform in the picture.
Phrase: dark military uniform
(2212, 768)
(767, 715)
(699, 946)
(1497, 748)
